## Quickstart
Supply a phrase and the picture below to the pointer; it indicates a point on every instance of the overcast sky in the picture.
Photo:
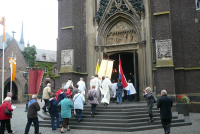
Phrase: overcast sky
(40, 18)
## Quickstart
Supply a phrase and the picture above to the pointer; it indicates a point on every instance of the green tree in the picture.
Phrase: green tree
(29, 54)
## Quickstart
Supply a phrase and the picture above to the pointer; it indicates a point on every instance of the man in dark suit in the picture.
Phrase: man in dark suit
(165, 103)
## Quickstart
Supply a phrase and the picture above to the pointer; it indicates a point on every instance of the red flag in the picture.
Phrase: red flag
(35, 78)
(121, 75)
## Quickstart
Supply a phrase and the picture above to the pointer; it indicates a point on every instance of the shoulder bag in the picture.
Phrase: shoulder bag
(7, 112)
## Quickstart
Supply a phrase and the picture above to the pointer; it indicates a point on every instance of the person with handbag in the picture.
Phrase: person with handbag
(6, 115)
(66, 105)
(79, 101)
(148, 95)
(46, 96)
(33, 108)
(92, 99)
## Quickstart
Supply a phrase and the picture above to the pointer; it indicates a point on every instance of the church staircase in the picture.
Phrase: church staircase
(127, 117)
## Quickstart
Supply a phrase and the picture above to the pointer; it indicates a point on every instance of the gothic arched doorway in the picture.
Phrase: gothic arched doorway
(14, 90)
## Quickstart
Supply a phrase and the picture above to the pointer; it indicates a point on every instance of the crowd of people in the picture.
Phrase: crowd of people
(60, 104)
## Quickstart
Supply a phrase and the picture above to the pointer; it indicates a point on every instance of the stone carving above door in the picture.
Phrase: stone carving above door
(122, 33)
(67, 57)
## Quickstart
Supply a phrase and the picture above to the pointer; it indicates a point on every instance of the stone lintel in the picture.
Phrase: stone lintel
(69, 27)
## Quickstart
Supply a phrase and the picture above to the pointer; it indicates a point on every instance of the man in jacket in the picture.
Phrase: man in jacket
(150, 102)
(165, 103)
(33, 107)
(46, 96)
(54, 112)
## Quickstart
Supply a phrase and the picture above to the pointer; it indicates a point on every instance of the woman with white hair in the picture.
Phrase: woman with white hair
(79, 100)
(5, 119)
(148, 95)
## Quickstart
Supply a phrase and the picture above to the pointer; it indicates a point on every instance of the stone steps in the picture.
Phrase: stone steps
(127, 118)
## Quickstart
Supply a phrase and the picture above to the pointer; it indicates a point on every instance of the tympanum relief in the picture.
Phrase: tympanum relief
(122, 33)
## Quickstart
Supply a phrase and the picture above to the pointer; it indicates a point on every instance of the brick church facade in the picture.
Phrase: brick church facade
(160, 36)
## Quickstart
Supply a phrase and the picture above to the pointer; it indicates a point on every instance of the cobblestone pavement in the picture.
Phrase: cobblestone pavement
(18, 124)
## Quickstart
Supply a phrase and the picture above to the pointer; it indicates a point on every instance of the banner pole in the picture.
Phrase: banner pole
(3, 76)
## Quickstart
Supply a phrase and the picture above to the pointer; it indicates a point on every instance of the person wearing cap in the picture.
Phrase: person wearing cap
(79, 100)
(33, 107)
(5, 119)
(46, 96)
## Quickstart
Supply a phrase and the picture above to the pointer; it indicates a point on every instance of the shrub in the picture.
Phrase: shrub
(183, 99)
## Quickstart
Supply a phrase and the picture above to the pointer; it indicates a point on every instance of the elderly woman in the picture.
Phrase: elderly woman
(66, 105)
(148, 95)
(94, 101)
(5, 119)
(79, 100)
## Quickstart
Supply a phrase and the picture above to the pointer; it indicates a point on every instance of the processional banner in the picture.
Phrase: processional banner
(106, 68)
(35, 78)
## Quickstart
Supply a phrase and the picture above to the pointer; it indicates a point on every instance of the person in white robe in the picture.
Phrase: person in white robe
(96, 82)
(106, 87)
(81, 86)
(131, 91)
(69, 83)
(90, 81)
(114, 88)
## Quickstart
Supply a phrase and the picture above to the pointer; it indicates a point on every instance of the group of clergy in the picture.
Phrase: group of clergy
(108, 89)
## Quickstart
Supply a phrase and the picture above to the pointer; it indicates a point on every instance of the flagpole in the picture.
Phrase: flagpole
(11, 73)
(3, 76)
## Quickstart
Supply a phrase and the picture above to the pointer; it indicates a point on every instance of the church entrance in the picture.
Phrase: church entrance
(129, 66)
(14, 90)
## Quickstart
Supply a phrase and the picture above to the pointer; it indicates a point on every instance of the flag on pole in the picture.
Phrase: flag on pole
(121, 75)
(2, 22)
(97, 67)
(12, 62)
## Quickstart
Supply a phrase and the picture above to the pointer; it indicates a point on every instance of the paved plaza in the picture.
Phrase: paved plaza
(19, 121)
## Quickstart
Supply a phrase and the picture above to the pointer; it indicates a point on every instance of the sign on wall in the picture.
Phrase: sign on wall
(67, 57)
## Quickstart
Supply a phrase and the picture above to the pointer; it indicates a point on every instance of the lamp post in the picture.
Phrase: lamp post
(25, 75)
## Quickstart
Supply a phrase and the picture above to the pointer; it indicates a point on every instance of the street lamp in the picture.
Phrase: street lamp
(25, 75)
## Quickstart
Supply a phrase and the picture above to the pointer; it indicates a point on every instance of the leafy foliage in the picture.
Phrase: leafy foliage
(29, 54)
(183, 99)
(47, 65)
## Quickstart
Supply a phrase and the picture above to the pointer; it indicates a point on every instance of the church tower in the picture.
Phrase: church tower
(22, 36)
(71, 42)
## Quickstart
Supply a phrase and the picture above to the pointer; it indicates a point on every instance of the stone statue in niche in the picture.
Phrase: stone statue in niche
(118, 39)
(125, 37)
(110, 39)
(67, 57)
(131, 38)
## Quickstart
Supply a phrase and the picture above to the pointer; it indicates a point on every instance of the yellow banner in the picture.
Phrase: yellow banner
(105, 69)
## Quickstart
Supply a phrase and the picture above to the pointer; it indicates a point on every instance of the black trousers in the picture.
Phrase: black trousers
(36, 125)
(46, 102)
(8, 126)
(93, 108)
(166, 124)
